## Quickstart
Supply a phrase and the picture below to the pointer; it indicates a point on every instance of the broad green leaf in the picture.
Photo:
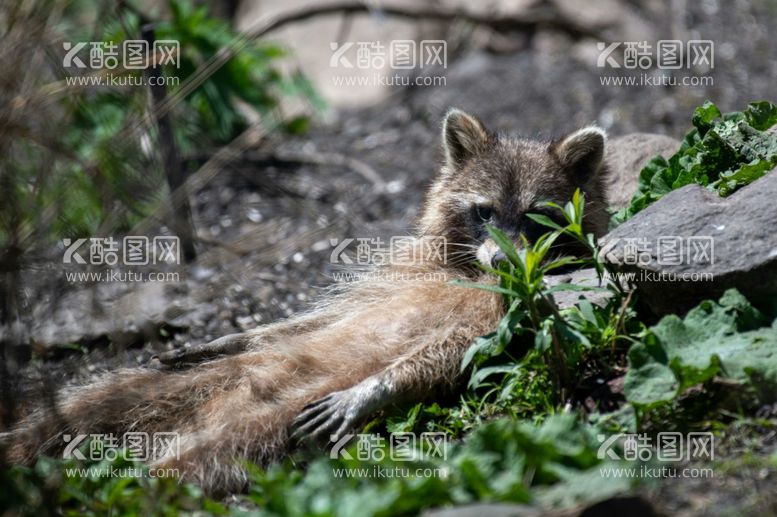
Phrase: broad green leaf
(504, 243)
(704, 115)
(681, 353)
(761, 115)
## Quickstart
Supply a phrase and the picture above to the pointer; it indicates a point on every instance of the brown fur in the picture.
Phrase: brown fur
(241, 406)
(407, 335)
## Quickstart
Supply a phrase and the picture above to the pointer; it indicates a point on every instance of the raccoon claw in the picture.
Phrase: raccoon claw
(227, 345)
(335, 411)
(338, 412)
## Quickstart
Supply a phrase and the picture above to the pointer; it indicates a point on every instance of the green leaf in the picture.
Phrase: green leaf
(482, 374)
(504, 243)
(544, 220)
(704, 115)
(562, 262)
(574, 287)
(484, 345)
(748, 173)
(485, 287)
(761, 115)
(681, 353)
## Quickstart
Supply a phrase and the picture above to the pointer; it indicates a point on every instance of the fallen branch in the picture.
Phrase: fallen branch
(547, 18)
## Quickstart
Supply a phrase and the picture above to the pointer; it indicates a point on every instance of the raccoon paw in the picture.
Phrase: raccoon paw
(227, 345)
(339, 411)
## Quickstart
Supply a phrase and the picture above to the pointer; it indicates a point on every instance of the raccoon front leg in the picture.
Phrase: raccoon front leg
(233, 344)
(430, 365)
(226, 345)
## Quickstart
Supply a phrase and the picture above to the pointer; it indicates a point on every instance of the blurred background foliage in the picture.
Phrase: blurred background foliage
(90, 155)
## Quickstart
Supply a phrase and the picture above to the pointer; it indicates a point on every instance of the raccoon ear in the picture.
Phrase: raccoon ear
(463, 136)
(582, 152)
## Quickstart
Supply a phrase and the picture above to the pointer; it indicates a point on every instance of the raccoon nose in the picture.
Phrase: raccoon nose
(498, 257)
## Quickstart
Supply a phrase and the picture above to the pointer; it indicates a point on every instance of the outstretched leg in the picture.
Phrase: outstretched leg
(433, 363)
(233, 344)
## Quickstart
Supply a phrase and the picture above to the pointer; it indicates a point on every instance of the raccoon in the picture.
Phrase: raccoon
(392, 337)
(498, 180)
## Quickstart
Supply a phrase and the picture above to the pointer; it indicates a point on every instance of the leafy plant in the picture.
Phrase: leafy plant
(721, 152)
(89, 154)
(714, 341)
(558, 340)
(503, 460)
(213, 109)
(97, 488)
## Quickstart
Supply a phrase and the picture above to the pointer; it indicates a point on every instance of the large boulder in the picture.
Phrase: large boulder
(626, 156)
(693, 244)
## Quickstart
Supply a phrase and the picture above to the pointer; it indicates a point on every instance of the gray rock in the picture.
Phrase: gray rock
(626, 156)
(124, 313)
(582, 277)
(692, 245)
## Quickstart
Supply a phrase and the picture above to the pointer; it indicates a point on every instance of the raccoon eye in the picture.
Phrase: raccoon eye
(484, 212)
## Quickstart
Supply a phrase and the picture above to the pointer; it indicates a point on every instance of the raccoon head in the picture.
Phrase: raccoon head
(491, 179)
